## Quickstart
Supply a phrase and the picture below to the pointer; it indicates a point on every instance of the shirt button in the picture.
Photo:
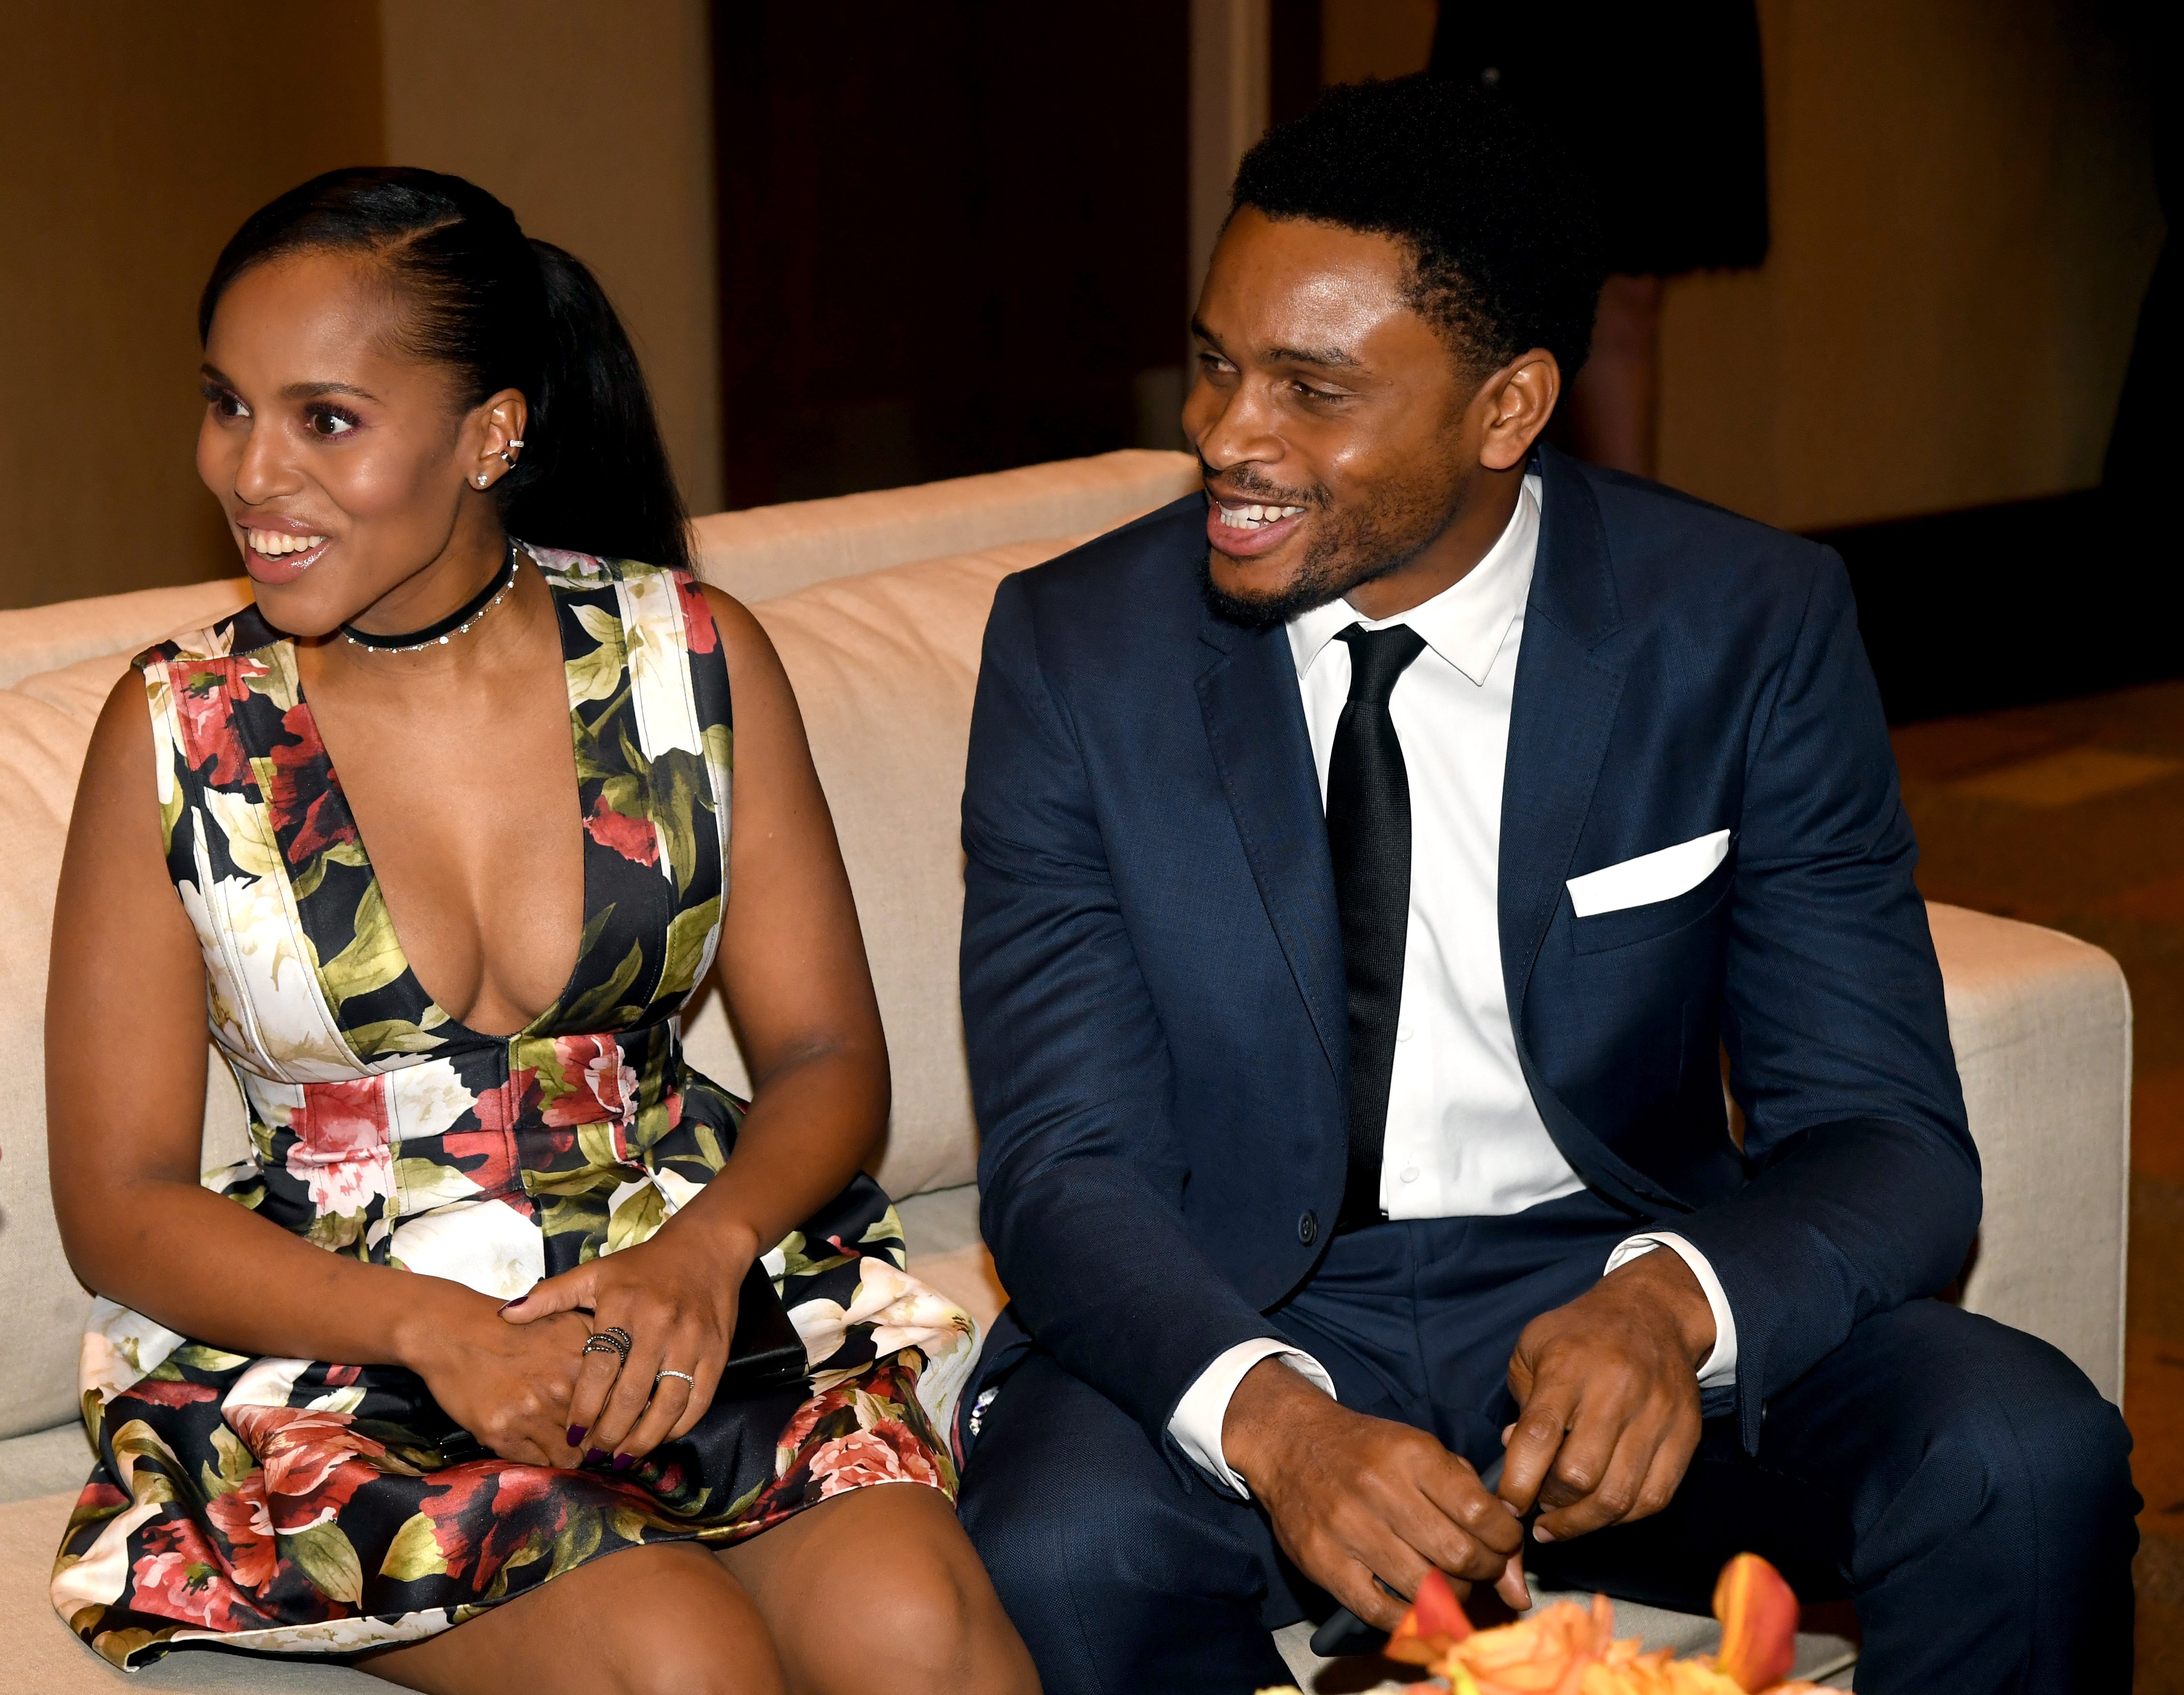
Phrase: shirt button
(1403, 1033)
(1309, 1228)
(1410, 1174)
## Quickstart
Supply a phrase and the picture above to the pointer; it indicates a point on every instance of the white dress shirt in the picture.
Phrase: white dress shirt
(1463, 1139)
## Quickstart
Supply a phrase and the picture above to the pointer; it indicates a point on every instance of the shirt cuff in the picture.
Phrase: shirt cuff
(1718, 1368)
(1196, 1422)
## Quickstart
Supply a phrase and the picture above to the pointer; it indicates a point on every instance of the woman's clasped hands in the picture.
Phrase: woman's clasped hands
(657, 1320)
(599, 1365)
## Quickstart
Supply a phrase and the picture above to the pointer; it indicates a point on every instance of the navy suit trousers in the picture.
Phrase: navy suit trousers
(1963, 1482)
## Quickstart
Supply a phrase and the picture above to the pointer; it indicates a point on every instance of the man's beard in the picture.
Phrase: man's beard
(1371, 541)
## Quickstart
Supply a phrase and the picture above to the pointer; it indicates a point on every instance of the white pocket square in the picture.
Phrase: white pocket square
(1651, 877)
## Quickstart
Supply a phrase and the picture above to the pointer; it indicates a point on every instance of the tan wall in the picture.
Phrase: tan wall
(1964, 223)
(1363, 38)
(136, 137)
(1964, 215)
(594, 123)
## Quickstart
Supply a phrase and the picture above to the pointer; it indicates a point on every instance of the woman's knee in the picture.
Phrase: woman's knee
(894, 1582)
(686, 1627)
(658, 1620)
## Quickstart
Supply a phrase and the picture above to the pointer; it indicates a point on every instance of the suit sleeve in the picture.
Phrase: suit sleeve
(1081, 1173)
(1866, 1186)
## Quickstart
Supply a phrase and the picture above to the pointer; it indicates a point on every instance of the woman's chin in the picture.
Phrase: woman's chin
(298, 607)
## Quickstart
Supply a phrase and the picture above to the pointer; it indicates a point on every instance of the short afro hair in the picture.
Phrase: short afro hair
(1502, 231)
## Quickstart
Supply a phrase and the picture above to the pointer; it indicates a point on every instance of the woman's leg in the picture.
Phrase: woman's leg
(880, 1586)
(1614, 406)
(669, 1619)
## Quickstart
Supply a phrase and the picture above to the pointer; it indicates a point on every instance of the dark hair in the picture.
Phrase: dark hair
(505, 312)
(1502, 233)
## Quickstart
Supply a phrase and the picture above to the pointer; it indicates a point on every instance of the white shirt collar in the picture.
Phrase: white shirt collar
(1466, 622)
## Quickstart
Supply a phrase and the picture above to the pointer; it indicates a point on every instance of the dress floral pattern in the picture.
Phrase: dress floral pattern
(302, 1507)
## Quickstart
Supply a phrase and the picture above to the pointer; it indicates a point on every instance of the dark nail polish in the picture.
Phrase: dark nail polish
(517, 1301)
(575, 1434)
(596, 1455)
(624, 1461)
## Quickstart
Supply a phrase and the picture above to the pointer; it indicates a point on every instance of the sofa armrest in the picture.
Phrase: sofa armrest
(2042, 1026)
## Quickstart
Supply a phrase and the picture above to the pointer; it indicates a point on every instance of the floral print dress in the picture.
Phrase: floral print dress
(308, 1506)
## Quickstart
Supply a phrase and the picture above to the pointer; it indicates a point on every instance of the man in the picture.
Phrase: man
(1368, 863)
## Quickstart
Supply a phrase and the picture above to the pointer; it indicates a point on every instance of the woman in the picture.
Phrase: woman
(398, 1384)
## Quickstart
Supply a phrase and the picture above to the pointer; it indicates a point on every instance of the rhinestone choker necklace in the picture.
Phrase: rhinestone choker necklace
(456, 623)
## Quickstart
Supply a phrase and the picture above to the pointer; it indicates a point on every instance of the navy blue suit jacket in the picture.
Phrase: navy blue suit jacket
(1152, 968)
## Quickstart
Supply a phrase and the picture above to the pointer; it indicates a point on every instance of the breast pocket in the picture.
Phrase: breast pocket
(1651, 920)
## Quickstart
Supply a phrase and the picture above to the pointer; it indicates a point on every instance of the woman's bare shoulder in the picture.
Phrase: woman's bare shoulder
(755, 672)
(119, 762)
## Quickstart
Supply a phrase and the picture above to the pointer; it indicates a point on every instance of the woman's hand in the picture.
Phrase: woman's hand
(675, 1296)
(509, 1387)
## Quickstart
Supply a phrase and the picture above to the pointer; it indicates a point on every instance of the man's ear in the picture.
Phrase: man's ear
(1513, 406)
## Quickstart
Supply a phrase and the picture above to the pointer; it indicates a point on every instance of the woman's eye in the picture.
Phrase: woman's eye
(329, 421)
(227, 403)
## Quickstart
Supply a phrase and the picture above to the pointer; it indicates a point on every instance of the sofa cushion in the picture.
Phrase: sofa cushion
(885, 666)
(39, 638)
(775, 550)
(45, 726)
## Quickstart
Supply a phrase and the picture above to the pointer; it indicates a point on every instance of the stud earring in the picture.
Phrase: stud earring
(481, 479)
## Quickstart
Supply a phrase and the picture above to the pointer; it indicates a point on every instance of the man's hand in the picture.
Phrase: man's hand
(1608, 1398)
(1353, 1498)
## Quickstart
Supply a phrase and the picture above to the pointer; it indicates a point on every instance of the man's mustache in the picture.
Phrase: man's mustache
(1243, 485)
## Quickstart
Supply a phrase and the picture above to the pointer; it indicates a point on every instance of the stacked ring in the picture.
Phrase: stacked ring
(684, 1376)
(613, 1340)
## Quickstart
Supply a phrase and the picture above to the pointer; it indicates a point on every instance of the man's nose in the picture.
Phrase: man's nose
(1239, 431)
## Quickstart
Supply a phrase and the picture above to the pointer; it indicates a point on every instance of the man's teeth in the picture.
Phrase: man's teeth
(1256, 518)
(274, 543)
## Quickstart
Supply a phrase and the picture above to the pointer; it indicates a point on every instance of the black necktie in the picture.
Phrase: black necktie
(1368, 834)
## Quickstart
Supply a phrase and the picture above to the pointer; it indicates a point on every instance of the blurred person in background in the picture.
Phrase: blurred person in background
(1664, 107)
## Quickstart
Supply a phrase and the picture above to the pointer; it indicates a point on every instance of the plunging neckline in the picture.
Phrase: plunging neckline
(339, 793)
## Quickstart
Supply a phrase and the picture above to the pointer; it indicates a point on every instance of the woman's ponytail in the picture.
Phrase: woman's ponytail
(593, 475)
(506, 312)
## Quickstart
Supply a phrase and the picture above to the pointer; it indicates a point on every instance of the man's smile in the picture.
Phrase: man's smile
(1250, 529)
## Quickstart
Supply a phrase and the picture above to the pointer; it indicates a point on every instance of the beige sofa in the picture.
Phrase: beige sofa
(876, 603)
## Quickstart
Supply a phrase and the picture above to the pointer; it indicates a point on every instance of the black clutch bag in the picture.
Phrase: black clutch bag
(766, 1355)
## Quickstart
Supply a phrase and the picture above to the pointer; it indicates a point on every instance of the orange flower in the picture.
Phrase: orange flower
(1434, 1624)
(1546, 1653)
(1758, 1614)
(1566, 1650)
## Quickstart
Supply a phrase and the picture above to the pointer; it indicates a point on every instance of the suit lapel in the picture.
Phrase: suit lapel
(1561, 717)
(1254, 725)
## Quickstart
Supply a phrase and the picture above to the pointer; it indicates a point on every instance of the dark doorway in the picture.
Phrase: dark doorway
(952, 237)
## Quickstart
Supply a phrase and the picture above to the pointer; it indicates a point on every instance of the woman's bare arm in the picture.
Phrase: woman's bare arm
(124, 1093)
(793, 965)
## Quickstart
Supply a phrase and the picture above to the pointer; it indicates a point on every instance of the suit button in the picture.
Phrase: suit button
(1308, 1229)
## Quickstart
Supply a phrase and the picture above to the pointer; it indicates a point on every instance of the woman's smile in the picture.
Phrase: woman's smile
(277, 556)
